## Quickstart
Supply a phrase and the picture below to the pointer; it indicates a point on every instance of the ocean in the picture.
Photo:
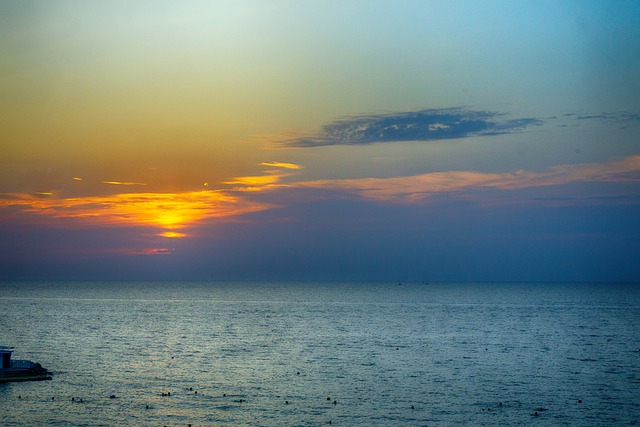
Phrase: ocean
(312, 354)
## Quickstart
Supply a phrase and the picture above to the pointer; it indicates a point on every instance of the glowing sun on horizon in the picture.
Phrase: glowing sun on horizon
(172, 234)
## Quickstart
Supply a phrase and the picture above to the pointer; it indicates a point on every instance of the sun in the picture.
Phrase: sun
(172, 234)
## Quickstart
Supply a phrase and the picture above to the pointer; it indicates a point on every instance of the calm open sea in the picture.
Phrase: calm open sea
(310, 354)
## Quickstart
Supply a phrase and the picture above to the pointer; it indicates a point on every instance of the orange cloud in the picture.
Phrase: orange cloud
(258, 180)
(262, 182)
(169, 211)
(281, 165)
(122, 183)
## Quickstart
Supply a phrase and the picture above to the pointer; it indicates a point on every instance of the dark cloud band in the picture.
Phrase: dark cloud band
(423, 125)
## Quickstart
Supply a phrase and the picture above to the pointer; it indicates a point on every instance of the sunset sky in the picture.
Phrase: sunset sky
(320, 140)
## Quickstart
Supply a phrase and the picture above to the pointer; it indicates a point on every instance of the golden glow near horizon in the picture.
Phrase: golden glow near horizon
(171, 212)
(167, 211)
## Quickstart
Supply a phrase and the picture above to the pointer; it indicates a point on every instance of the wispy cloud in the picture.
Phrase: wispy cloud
(281, 165)
(621, 117)
(122, 183)
(124, 251)
(419, 187)
(423, 125)
(268, 178)
(152, 251)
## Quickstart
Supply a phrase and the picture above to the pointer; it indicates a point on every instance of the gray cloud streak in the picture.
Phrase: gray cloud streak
(423, 125)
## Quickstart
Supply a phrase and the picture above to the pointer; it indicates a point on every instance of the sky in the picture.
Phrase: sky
(320, 140)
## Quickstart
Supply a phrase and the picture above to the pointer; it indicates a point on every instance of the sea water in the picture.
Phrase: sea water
(311, 354)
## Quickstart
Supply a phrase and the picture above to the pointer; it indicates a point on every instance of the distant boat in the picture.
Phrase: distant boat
(20, 370)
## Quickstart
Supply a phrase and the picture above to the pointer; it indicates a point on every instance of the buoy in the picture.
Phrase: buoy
(328, 398)
(579, 400)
